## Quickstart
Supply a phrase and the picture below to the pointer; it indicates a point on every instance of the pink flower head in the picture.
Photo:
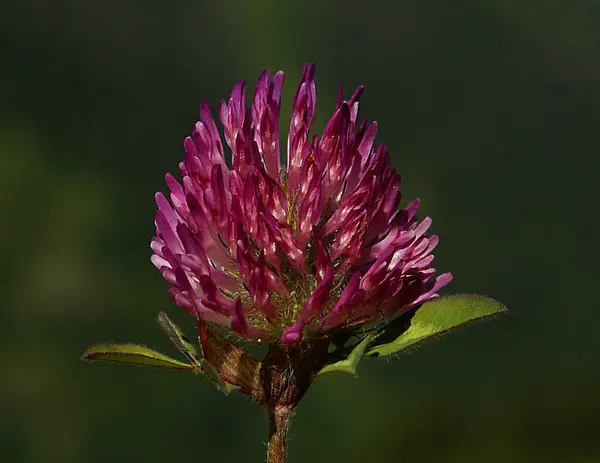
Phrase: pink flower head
(281, 252)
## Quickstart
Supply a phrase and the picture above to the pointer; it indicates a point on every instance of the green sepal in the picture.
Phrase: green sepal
(133, 354)
(434, 319)
(350, 364)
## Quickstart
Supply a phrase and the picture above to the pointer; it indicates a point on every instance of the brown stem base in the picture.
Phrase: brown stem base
(279, 422)
(285, 376)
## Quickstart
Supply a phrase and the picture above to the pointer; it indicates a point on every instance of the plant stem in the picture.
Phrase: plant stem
(285, 375)
(279, 423)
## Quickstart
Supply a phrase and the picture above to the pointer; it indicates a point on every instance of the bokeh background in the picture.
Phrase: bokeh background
(491, 111)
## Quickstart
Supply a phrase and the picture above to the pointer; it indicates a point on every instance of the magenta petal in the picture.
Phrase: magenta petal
(423, 227)
(261, 93)
(293, 334)
(240, 324)
(169, 275)
(310, 201)
(273, 197)
(319, 297)
(284, 236)
(303, 106)
(219, 206)
(183, 301)
(167, 233)
(212, 298)
(438, 283)
(244, 258)
(269, 136)
(275, 91)
(156, 244)
(265, 114)
(323, 264)
(274, 283)
(368, 140)
(259, 289)
(325, 274)
(268, 243)
(167, 210)
(216, 145)
(159, 262)
(297, 152)
(225, 281)
(177, 196)
(349, 299)
(232, 114)
(407, 215)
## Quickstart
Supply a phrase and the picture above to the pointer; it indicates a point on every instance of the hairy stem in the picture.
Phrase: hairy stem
(279, 423)
(285, 376)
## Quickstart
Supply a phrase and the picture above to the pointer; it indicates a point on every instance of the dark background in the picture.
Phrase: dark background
(491, 112)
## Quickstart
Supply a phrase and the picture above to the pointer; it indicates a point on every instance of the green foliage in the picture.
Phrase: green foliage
(350, 364)
(178, 338)
(187, 348)
(133, 354)
(213, 375)
(428, 321)
(433, 319)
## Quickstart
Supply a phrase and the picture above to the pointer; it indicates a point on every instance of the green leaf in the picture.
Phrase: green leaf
(133, 354)
(189, 350)
(350, 364)
(433, 319)
(179, 339)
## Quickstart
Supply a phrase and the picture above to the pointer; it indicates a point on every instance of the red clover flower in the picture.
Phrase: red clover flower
(313, 258)
(281, 252)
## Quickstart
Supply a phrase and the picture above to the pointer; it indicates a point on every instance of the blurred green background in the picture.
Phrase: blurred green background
(491, 111)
